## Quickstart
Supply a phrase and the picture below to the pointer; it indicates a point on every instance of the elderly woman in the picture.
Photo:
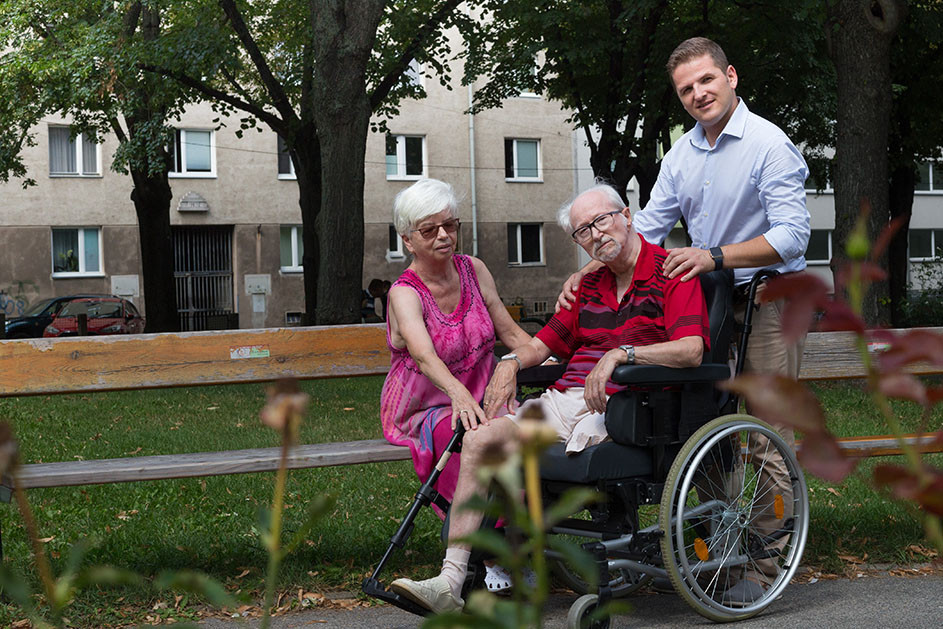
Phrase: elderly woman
(444, 314)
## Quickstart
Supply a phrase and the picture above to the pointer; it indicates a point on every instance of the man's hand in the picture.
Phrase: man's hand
(568, 294)
(502, 388)
(690, 261)
(595, 392)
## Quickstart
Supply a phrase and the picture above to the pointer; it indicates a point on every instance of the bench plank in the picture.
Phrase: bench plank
(834, 356)
(165, 466)
(143, 361)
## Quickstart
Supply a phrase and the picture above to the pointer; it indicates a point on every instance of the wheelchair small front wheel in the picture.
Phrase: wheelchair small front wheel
(580, 611)
(621, 582)
(735, 503)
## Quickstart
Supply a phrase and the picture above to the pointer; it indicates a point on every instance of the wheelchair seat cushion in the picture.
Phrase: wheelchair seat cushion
(605, 461)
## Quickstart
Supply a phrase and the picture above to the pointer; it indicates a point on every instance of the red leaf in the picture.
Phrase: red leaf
(903, 386)
(935, 396)
(796, 286)
(930, 498)
(840, 317)
(779, 400)
(884, 238)
(904, 484)
(870, 273)
(821, 455)
(911, 347)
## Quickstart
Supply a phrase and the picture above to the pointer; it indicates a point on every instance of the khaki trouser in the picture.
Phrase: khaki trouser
(767, 352)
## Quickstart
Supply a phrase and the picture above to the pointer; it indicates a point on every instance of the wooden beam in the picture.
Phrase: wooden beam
(886, 445)
(834, 356)
(164, 466)
(144, 361)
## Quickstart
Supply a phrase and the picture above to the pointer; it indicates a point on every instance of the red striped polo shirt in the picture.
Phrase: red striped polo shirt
(655, 309)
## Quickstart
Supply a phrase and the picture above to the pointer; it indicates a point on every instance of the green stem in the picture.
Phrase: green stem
(275, 533)
(535, 507)
(39, 553)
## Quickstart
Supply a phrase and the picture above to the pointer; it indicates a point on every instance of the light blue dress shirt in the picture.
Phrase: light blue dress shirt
(751, 182)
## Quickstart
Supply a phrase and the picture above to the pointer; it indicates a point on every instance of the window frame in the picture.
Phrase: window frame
(414, 73)
(393, 236)
(516, 178)
(934, 245)
(933, 187)
(187, 174)
(542, 261)
(818, 261)
(295, 236)
(282, 148)
(80, 234)
(401, 157)
(77, 143)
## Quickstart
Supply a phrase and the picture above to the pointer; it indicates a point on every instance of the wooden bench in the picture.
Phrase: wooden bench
(93, 364)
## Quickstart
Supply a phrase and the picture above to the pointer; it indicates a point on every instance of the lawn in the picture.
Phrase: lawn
(209, 524)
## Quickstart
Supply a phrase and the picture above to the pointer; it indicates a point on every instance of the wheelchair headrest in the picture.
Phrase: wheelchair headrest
(718, 293)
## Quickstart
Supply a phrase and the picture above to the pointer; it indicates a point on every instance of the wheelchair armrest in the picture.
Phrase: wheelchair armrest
(540, 375)
(656, 374)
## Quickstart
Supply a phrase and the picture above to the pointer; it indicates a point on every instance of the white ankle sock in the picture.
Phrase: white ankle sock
(454, 568)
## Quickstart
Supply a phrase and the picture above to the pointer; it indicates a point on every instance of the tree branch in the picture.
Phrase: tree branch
(276, 123)
(382, 89)
(274, 88)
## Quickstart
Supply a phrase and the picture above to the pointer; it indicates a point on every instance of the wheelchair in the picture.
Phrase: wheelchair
(688, 487)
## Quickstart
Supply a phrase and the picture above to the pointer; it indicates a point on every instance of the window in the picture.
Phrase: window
(928, 179)
(395, 248)
(68, 156)
(194, 153)
(925, 244)
(405, 156)
(522, 160)
(414, 74)
(76, 252)
(525, 244)
(291, 249)
(528, 91)
(820, 247)
(286, 169)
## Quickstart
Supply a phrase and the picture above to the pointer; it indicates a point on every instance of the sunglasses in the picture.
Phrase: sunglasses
(431, 231)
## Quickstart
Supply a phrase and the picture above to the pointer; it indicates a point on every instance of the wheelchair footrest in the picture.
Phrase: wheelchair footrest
(372, 587)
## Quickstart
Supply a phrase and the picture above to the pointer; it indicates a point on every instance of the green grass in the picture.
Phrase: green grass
(209, 524)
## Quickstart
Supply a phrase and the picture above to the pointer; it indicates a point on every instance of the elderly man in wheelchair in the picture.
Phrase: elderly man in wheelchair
(637, 415)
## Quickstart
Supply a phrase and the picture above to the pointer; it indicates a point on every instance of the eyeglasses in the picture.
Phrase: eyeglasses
(430, 232)
(601, 223)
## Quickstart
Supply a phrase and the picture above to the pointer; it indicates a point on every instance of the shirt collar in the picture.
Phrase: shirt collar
(644, 269)
(735, 127)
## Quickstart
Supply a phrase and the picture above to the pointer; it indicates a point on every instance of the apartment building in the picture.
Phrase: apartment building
(236, 219)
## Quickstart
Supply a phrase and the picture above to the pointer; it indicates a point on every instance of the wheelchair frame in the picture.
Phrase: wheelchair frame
(705, 532)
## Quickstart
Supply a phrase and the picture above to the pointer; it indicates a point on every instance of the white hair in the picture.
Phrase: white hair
(424, 198)
(613, 198)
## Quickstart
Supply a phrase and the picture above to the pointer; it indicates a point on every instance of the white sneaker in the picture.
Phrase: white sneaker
(434, 594)
(498, 579)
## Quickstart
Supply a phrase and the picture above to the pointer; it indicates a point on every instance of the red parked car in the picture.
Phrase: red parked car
(106, 315)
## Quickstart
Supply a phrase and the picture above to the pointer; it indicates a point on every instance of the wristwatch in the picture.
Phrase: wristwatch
(512, 356)
(718, 255)
(629, 353)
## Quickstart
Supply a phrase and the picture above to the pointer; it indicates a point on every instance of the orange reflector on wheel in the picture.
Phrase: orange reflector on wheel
(700, 549)
(779, 507)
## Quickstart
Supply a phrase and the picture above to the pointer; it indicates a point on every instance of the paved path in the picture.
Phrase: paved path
(870, 601)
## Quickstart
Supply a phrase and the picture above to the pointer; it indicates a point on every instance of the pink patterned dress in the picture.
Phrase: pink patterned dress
(413, 410)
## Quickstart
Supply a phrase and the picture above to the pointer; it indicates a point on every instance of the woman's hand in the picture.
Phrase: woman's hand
(502, 388)
(466, 410)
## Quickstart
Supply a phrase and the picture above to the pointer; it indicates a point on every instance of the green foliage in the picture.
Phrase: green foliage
(924, 304)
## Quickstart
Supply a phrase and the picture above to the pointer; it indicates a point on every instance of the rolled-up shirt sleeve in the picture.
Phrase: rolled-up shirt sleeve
(781, 184)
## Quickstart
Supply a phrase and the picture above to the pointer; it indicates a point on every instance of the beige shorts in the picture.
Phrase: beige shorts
(566, 411)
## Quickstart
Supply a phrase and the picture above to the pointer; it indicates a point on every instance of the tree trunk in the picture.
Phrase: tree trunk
(344, 33)
(151, 197)
(860, 51)
(307, 156)
(903, 179)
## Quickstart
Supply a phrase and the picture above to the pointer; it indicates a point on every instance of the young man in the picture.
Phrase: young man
(739, 184)
(628, 311)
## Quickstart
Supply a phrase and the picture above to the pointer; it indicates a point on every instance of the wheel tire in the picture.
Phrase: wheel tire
(702, 548)
(580, 610)
(623, 582)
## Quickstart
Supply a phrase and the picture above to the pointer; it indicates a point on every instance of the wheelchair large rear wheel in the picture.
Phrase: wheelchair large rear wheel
(724, 515)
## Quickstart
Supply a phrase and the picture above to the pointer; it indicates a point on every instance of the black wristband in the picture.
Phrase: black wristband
(718, 255)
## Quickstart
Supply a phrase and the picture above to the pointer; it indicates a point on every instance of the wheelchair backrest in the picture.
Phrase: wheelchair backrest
(718, 293)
